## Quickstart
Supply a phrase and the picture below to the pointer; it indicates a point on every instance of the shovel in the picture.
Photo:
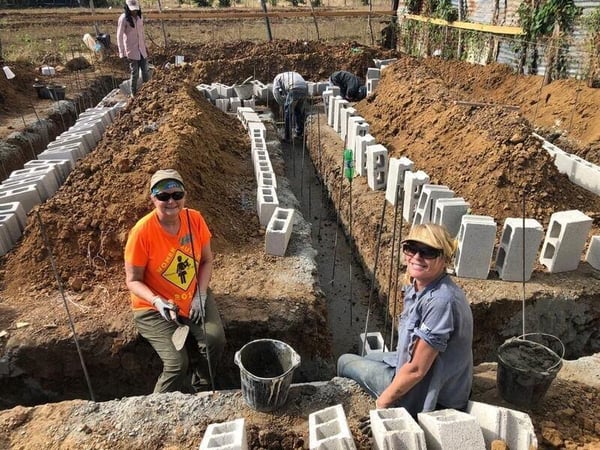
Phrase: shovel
(180, 334)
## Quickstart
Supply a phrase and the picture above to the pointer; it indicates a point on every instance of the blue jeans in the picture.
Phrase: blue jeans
(369, 371)
(134, 66)
(295, 104)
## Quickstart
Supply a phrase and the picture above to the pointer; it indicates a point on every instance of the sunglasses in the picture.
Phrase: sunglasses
(165, 196)
(411, 249)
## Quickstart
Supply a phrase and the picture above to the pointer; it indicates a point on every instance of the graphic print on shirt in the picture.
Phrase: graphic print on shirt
(180, 271)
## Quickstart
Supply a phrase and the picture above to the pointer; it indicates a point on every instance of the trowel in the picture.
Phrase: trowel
(180, 334)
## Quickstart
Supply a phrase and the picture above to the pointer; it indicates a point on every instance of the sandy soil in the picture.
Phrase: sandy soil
(485, 154)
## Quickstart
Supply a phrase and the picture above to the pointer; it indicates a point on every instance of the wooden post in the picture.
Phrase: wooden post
(162, 24)
(267, 23)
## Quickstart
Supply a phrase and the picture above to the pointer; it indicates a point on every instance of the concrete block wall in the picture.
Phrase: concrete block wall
(397, 169)
(592, 257)
(28, 196)
(425, 208)
(516, 237)
(74, 136)
(475, 246)
(360, 155)
(44, 184)
(63, 167)
(565, 240)
(394, 428)
(279, 231)
(498, 423)
(377, 166)
(449, 429)
(449, 213)
(266, 203)
(328, 430)
(373, 343)
(261, 161)
(17, 209)
(225, 436)
(413, 184)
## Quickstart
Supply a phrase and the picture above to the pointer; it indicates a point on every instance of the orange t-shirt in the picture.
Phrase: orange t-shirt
(168, 259)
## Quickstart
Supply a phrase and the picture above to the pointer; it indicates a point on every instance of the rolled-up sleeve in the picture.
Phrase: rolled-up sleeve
(437, 324)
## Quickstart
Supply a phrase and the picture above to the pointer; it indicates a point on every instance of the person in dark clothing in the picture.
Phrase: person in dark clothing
(351, 87)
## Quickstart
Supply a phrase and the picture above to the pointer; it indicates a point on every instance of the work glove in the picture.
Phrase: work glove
(364, 423)
(197, 308)
(164, 307)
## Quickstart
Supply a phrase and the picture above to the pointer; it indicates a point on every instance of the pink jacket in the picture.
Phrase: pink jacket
(131, 40)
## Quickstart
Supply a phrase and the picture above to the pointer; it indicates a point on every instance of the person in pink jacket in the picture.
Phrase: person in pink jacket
(131, 42)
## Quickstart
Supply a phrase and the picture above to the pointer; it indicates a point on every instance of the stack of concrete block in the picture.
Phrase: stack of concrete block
(565, 240)
(45, 178)
(329, 93)
(318, 88)
(394, 428)
(266, 203)
(360, 154)
(448, 429)
(234, 103)
(210, 92)
(328, 430)
(497, 423)
(413, 184)
(225, 436)
(518, 248)
(279, 231)
(345, 115)
(372, 342)
(63, 167)
(430, 194)
(395, 179)
(592, 257)
(449, 213)
(475, 246)
(377, 166)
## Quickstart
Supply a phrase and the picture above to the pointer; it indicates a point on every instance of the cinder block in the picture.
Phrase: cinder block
(330, 93)
(72, 141)
(449, 213)
(11, 224)
(5, 244)
(475, 246)
(210, 92)
(222, 104)
(322, 86)
(62, 167)
(373, 73)
(225, 436)
(51, 175)
(513, 427)
(371, 86)
(357, 126)
(248, 118)
(92, 128)
(260, 159)
(373, 344)
(243, 110)
(413, 184)
(332, 109)
(28, 196)
(394, 428)
(312, 89)
(337, 115)
(234, 103)
(279, 231)
(72, 153)
(328, 430)
(430, 194)
(44, 184)
(71, 135)
(509, 258)
(94, 122)
(104, 114)
(586, 175)
(267, 179)
(266, 203)
(384, 62)
(449, 429)
(565, 240)
(256, 129)
(397, 167)
(377, 165)
(592, 257)
(345, 115)
(360, 154)
(17, 209)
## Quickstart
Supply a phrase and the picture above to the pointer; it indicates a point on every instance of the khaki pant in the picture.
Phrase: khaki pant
(176, 374)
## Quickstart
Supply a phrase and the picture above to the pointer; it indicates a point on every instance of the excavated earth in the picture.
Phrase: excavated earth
(485, 154)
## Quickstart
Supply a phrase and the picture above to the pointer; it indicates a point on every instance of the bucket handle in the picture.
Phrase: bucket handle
(562, 347)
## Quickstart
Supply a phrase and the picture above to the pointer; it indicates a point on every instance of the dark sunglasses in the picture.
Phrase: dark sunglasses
(165, 196)
(426, 252)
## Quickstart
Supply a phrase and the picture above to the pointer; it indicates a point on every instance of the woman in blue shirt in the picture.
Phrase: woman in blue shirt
(432, 367)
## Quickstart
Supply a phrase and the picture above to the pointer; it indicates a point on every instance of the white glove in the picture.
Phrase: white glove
(163, 307)
(198, 307)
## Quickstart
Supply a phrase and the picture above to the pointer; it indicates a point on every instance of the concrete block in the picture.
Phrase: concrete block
(373, 73)
(12, 226)
(397, 167)
(51, 174)
(248, 118)
(377, 166)
(328, 94)
(322, 86)
(243, 110)
(258, 143)
(513, 427)
(430, 194)
(384, 62)
(267, 179)
(279, 231)
(586, 175)
(222, 104)
(5, 245)
(71, 135)
(332, 109)
(592, 257)
(210, 92)
(17, 209)
(476, 238)
(257, 129)
(371, 86)
(44, 184)
(339, 105)
(449, 213)
(413, 184)
(515, 236)
(93, 128)
(565, 240)
(345, 114)
(260, 159)
(62, 167)
(266, 203)
(373, 344)
(94, 122)
(72, 153)
(234, 103)
(328, 430)
(81, 143)
(106, 115)
(225, 436)
(394, 428)
(357, 126)
(312, 89)
(28, 196)
(250, 102)
(448, 429)
(360, 154)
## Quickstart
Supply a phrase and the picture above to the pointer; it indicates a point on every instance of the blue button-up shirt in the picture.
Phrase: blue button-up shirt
(440, 315)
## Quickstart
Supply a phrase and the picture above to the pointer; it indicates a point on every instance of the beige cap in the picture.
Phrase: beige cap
(133, 5)
(165, 174)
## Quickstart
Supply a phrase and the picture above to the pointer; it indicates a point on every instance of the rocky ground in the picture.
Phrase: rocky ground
(484, 154)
